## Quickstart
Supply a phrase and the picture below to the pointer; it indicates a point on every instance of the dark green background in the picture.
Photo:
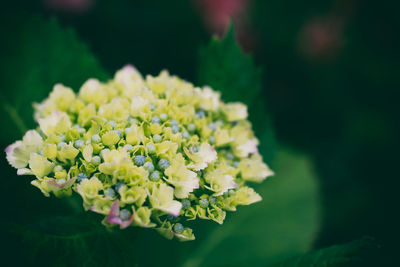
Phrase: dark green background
(341, 110)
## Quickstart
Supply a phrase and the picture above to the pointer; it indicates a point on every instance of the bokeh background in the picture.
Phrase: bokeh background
(330, 88)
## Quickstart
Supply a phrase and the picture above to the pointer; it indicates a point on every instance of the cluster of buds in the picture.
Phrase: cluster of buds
(153, 152)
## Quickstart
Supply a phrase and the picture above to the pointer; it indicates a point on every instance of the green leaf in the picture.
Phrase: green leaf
(69, 241)
(281, 226)
(285, 222)
(36, 55)
(361, 252)
(224, 67)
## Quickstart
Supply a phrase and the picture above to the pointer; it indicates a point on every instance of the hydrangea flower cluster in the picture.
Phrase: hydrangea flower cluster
(153, 152)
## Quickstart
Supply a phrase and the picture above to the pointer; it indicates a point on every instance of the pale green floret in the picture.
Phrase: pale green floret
(124, 214)
(175, 128)
(151, 148)
(140, 160)
(192, 127)
(58, 168)
(96, 138)
(143, 151)
(178, 228)
(155, 119)
(229, 155)
(128, 147)
(110, 138)
(78, 143)
(155, 176)
(61, 145)
(163, 117)
(212, 126)
(149, 166)
(39, 165)
(204, 202)
(132, 120)
(186, 135)
(119, 186)
(109, 192)
(118, 132)
(163, 164)
(67, 153)
(157, 138)
(82, 176)
(81, 130)
(171, 217)
(212, 200)
(200, 113)
(211, 139)
(96, 160)
(143, 217)
(104, 151)
(186, 203)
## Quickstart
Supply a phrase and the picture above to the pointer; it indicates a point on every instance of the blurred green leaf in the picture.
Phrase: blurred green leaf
(361, 252)
(36, 55)
(284, 223)
(281, 226)
(69, 241)
(224, 67)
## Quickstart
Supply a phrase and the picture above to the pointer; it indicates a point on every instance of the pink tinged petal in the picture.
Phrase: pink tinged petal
(31, 136)
(9, 149)
(129, 67)
(175, 208)
(56, 186)
(126, 223)
(113, 216)
(24, 171)
(69, 182)
(14, 161)
(114, 220)
(269, 173)
(114, 211)
(196, 186)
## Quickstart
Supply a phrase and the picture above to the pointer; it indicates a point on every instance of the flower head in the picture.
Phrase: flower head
(152, 152)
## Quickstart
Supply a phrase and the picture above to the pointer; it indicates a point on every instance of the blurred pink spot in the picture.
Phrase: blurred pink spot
(217, 14)
(321, 37)
(73, 6)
